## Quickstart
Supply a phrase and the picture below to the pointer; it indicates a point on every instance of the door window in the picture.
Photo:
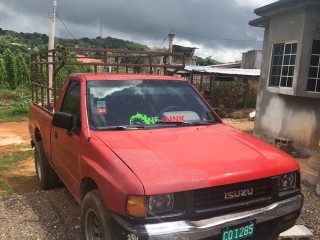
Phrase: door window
(71, 104)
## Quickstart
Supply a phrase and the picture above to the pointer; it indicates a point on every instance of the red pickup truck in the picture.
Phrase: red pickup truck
(147, 158)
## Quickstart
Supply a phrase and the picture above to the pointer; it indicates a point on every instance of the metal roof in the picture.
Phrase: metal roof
(226, 71)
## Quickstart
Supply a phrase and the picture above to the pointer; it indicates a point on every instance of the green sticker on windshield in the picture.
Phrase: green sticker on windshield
(143, 119)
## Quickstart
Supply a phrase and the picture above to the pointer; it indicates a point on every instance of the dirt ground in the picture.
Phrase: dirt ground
(241, 124)
(31, 213)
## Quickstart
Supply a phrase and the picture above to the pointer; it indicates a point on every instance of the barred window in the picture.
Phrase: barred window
(314, 68)
(282, 65)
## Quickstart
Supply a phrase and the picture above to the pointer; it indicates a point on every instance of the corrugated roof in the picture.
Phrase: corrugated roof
(227, 71)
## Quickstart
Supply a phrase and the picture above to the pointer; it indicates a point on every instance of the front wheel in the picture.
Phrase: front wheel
(95, 219)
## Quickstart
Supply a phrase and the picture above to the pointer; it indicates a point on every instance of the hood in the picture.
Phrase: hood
(185, 158)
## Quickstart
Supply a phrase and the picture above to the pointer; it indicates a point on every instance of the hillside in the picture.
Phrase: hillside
(36, 41)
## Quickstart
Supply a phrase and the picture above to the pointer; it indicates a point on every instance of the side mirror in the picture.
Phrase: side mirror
(63, 120)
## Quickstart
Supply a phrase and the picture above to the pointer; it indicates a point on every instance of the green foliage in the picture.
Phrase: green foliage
(22, 70)
(108, 43)
(3, 75)
(221, 110)
(206, 61)
(66, 70)
(10, 68)
(14, 105)
(233, 94)
(15, 49)
(14, 69)
(15, 114)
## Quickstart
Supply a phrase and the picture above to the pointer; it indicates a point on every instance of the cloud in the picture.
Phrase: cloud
(253, 3)
(206, 23)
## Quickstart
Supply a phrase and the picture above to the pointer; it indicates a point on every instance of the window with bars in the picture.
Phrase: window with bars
(282, 65)
(314, 68)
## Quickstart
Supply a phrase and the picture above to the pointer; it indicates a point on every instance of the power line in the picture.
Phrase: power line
(163, 41)
(65, 27)
(217, 38)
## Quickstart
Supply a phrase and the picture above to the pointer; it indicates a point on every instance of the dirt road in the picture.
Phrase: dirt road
(30, 213)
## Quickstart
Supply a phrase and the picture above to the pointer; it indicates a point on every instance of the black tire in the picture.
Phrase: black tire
(46, 175)
(95, 218)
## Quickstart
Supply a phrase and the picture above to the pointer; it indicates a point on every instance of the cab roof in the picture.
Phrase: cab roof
(116, 76)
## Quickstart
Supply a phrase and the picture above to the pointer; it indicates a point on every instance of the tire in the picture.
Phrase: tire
(46, 175)
(95, 218)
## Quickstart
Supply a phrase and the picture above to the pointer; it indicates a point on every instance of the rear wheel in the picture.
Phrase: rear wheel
(45, 173)
(95, 218)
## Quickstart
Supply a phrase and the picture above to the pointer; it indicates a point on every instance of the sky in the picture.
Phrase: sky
(217, 28)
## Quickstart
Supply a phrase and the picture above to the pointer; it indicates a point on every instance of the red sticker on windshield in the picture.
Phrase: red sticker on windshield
(173, 119)
(102, 110)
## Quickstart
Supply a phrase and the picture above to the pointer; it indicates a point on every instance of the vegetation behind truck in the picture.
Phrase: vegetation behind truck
(147, 158)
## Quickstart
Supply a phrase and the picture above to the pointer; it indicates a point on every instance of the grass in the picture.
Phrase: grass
(14, 104)
(14, 114)
(9, 162)
(5, 188)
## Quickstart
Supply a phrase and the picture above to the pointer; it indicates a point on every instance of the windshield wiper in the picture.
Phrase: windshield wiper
(175, 122)
(181, 123)
(118, 128)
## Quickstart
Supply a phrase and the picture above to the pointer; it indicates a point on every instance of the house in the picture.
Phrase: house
(202, 77)
(288, 104)
(188, 55)
(247, 70)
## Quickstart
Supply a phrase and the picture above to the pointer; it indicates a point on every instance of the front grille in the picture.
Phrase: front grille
(239, 193)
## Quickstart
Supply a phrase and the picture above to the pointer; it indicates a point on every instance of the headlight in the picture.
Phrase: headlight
(287, 181)
(160, 203)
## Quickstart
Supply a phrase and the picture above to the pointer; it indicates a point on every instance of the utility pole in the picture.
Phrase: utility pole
(51, 45)
(101, 23)
(171, 37)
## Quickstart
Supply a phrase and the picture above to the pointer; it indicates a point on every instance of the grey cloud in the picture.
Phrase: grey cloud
(150, 20)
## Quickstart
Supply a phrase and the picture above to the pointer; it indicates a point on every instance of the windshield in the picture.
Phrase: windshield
(125, 104)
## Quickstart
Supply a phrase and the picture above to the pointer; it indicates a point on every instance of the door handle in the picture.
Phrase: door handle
(55, 135)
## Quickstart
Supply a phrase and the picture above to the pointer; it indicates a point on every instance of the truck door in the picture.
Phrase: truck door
(66, 146)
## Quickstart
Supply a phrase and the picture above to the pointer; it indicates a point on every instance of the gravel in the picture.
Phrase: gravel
(54, 214)
(310, 215)
(50, 214)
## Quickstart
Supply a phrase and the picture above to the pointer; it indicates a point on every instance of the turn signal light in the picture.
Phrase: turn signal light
(136, 206)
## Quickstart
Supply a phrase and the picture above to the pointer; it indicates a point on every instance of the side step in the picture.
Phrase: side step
(297, 232)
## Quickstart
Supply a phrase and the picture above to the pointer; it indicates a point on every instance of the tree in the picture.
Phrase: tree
(3, 75)
(10, 68)
(22, 71)
(206, 61)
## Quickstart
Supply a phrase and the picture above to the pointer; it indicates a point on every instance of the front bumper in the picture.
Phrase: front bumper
(205, 228)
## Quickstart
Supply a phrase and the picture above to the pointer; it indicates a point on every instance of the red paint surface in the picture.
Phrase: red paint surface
(153, 161)
(171, 160)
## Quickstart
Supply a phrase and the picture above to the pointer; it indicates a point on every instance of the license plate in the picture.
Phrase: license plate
(238, 232)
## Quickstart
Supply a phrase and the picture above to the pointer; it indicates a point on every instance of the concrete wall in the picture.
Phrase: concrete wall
(251, 59)
(290, 112)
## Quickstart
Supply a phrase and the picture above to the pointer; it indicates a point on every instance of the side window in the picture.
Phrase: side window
(282, 65)
(314, 68)
(71, 104)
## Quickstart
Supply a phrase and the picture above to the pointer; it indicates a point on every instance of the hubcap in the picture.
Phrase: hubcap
(93, 226)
